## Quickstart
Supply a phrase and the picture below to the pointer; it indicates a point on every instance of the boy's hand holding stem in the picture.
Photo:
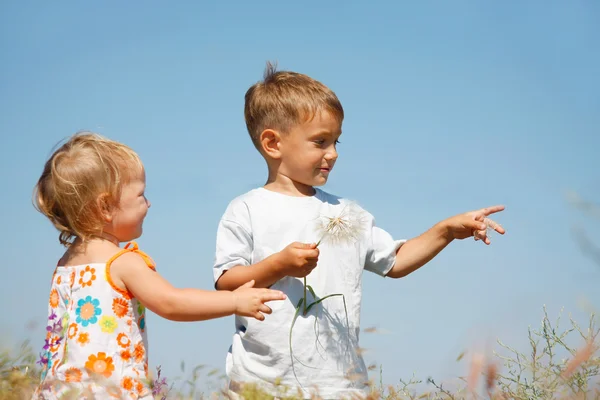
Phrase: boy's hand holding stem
(296, 259)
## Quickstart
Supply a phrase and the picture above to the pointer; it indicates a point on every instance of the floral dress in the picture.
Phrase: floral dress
(96, 345)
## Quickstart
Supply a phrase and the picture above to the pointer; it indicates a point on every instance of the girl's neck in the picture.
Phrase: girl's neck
(95, 250)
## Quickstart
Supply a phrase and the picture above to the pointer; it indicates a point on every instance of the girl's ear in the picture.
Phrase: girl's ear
(104, 206)
(270, 141)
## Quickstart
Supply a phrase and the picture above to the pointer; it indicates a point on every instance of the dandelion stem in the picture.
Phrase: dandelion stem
(304, 303)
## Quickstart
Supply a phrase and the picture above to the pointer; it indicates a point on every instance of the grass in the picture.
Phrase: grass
(550, 368)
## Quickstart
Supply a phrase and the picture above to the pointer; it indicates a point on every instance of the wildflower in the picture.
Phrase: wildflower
(344, 228)
(580, 357)
(159, 385)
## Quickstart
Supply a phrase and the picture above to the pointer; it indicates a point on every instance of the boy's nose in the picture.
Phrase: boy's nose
(332, 154)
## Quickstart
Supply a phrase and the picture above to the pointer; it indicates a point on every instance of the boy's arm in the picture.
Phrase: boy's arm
(297, 259)
(416, 252)
(264, 273)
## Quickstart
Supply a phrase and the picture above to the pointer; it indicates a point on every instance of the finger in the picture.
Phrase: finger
(481, 235)
(248, 284)
(491, 210)
(494, 225)
(271, 295)
(265, 309)
(306, 245)
(259, 316)
(308, 270)
(477, 225)
(312, 253)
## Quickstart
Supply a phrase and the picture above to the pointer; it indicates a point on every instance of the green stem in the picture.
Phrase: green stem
(304, 309)
(304, 306)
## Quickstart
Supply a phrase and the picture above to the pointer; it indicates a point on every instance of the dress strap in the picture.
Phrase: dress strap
(130, 247)
(133, 246)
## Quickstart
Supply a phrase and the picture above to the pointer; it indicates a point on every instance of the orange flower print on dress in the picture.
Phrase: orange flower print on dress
(123, 340)
(88, 275)
(55, 344)
(139, 352)
(100, 364)
(126, 355)
(54, 298)
(139, 387)
(120, 307)
(72, 278)
(58, 280)
(127, 383)
(83, 338)
(114, 391)
(72, 332)
(73, 375)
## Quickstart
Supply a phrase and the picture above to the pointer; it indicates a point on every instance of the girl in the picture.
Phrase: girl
(92, 190)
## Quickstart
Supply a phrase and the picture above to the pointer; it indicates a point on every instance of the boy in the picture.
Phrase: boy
(270, 234)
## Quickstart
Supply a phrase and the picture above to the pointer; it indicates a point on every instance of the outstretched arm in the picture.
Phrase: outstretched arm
(418, 251)
(188, 304)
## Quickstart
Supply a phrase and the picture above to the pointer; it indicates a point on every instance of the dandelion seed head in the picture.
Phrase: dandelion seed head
(343, 227)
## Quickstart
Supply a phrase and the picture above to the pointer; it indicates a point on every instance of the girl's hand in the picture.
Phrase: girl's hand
(250, 302)
(474, 223)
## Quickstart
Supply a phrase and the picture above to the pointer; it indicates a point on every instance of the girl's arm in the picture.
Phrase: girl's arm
(130, 272)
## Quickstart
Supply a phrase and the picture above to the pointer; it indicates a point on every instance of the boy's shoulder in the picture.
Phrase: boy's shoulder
(244, 198)
(261, 197)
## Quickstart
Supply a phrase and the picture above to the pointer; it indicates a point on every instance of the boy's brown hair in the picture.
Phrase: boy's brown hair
(83, 177)
(285, 98)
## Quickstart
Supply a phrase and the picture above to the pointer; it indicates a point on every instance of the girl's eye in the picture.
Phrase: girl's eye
(319, 142)
(337, 141)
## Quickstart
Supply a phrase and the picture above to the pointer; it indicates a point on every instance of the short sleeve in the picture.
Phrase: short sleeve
(381, 250)
(234, 241)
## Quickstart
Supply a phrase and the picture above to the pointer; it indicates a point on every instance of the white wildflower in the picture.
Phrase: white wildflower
(344, 227)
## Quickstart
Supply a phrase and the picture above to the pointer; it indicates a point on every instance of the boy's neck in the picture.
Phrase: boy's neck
(282, 184)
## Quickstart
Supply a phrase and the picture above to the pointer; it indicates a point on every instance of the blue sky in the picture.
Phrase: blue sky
(450, 106)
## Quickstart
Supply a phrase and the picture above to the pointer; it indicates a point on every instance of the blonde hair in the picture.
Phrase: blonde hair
(83, 177)
(284, 99)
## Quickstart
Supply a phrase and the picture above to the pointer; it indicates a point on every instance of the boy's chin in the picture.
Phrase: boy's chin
(321, 181)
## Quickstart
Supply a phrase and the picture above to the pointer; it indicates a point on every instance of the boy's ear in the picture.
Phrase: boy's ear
(104, 206)
(270, 143)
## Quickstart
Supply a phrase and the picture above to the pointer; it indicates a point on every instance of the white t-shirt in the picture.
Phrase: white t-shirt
(325, 343)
